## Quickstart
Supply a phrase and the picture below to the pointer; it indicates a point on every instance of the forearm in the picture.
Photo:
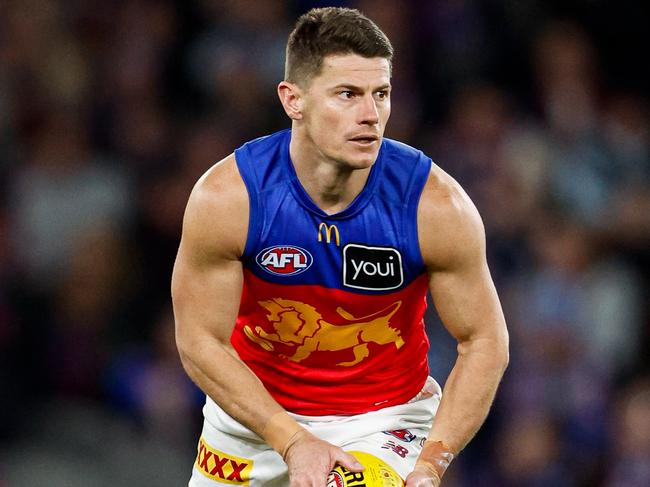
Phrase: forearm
(218, 371)
(469, 392)
(465, 402)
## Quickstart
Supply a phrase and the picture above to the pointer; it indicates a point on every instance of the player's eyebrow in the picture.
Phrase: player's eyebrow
(351, 87)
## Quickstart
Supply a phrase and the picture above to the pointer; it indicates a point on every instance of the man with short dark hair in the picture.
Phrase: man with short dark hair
(300, 282)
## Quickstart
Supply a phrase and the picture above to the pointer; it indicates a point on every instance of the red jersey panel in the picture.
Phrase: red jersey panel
(325, 351)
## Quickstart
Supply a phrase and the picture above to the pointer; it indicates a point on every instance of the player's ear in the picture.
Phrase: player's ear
(291, 98)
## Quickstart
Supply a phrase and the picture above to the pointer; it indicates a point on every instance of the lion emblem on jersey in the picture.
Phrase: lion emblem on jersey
(301, 326)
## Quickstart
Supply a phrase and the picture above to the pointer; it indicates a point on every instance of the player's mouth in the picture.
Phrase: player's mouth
(364, 139)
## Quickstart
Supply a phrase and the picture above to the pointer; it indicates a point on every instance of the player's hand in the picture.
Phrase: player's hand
(311, 459)
(422, 476)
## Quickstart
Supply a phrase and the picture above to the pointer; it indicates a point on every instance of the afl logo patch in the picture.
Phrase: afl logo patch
(284, 260)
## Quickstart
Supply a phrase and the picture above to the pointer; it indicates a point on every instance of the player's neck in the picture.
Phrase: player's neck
(329, 183)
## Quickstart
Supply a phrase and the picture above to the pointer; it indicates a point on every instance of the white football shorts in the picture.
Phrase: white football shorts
(231, 454)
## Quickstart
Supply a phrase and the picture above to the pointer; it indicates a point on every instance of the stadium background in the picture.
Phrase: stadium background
(110, 110)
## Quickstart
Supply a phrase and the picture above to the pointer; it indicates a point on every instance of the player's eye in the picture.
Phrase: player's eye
(383, 94)
(347, 94)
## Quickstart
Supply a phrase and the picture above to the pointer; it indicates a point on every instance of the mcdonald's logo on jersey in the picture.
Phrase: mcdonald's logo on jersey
(327, 230)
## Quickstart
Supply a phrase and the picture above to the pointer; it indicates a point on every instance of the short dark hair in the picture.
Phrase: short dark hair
(332, 30)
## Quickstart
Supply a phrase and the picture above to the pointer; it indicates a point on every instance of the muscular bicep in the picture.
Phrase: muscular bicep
(452, 241)
(207, 277)
(205, 294)
(467, 302)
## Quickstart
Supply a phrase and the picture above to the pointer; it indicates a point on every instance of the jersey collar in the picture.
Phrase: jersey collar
(357, 203)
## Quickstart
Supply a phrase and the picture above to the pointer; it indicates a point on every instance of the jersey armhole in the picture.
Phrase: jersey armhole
(415, 189)
(242, 160)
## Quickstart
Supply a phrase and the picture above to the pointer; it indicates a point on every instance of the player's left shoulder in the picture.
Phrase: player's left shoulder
(400, 148)
(449, 224)
(443, 198)
(402, 156)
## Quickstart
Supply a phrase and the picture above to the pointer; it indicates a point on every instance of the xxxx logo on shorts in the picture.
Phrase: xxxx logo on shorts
(223, 467)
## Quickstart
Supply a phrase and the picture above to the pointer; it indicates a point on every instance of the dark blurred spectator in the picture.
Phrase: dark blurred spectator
(88, 315)
(626, 128)
(585, 298)
(476, 149)
(238, 60)
(456, 31)
(42, 64)
(149, 384)
(575, 322)
(64, 190)
(629, 461)
(567, 75)
(9, 330)
(133, 108)
(528, 452)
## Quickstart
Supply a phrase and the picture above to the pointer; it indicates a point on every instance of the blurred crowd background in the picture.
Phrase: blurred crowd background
(111, 109)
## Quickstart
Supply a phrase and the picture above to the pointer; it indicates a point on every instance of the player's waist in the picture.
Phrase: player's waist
(343, 393)
(430, 389)
(341, 428)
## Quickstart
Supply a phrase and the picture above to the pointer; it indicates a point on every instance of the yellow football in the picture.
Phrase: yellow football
(377, 473)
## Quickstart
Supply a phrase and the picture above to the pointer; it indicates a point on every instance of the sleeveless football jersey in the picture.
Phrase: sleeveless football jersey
(331, 313)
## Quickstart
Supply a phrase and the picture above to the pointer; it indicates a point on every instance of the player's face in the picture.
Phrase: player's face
(346, 108)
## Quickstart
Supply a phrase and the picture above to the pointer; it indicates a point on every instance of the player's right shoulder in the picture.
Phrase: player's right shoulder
(221, 185)
(217, 211)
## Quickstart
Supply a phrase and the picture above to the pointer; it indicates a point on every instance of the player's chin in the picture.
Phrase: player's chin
(360, 163)
(362, 159)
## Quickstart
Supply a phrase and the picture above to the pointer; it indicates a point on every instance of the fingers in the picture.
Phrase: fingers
(348, 461)
(311, 474)
(310, 461)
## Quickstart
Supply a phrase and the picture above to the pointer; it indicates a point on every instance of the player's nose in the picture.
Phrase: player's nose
(368, 113)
